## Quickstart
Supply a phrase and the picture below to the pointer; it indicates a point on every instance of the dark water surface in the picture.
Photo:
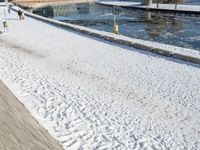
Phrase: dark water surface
(175, 29)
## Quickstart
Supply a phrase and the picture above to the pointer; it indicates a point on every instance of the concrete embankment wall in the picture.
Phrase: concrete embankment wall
(160, 49)
(19, 130)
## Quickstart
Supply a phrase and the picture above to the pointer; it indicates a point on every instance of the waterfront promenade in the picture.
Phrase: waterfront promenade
(90, 93)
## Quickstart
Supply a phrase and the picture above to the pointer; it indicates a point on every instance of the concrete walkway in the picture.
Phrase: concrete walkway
(18, 129)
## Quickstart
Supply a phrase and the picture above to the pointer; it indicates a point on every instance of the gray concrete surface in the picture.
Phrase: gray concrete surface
(18, 129)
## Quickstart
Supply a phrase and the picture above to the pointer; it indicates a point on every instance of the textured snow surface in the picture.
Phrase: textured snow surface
(92, 94)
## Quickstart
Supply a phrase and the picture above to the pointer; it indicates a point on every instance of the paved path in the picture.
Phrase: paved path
(18, 129)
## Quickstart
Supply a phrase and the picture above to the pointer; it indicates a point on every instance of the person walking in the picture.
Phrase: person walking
(9, 8)
(21, 14)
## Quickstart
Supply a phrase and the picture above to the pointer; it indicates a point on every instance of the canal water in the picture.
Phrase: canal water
(175, 29)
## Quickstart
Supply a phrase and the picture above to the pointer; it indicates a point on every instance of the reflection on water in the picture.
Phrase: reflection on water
(175, 29)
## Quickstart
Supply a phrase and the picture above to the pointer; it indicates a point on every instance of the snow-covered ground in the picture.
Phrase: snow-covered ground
(91, 94)
(182, 7)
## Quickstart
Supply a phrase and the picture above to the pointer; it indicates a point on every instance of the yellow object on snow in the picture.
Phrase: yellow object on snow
(116, 30)
(5, 24)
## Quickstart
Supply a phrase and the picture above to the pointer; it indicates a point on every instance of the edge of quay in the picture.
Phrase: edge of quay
(179, 53)
(147, 8)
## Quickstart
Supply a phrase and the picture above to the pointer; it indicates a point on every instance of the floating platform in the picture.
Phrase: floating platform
(181, 8)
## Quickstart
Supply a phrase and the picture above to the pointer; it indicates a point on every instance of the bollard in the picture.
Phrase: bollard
(116, 30)
(5, 24)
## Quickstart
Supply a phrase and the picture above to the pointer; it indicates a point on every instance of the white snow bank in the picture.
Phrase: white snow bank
(92, 94)
(119, 3)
